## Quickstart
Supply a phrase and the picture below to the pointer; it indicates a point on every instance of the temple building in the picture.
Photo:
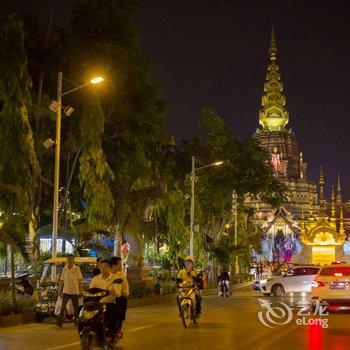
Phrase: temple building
(305, 229)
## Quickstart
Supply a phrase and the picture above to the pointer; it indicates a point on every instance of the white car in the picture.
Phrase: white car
(297, 279)
(332, 287)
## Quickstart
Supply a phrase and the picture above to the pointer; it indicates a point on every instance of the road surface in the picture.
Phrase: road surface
(226, 323)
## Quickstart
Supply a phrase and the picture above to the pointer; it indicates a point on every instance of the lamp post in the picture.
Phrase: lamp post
(234, 212)
(193, 175)
(58, 109)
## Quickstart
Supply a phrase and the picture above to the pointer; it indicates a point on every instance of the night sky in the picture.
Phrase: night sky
(214, 53)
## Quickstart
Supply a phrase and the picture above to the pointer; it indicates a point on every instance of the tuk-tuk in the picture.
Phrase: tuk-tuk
(47, 288)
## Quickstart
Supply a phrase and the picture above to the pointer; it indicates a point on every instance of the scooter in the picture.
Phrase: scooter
(92, 327)
(187, 301)
(23, 286)
(223, 288)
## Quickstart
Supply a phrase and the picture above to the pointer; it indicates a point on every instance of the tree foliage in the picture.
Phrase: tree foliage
(17, 157)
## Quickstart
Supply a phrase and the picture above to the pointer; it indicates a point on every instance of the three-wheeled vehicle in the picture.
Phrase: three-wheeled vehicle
(48, 283)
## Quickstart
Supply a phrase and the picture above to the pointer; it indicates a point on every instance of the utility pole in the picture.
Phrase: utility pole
(192, 205)
(57, 167)
(234, 212)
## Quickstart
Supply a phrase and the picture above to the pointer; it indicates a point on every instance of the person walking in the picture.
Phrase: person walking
(69, 288)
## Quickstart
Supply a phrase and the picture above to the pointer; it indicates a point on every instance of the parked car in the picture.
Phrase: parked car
(297, 279)
(47, 288)
(331, 287)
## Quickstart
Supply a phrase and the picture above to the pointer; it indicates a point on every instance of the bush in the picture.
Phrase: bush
(139, 290)
(6, 307)
(167, 287)
(160, 274)
(24, 304)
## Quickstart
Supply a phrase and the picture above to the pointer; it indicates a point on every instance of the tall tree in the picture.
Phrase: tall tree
(103, 34)
(95, 174)
(18, 163)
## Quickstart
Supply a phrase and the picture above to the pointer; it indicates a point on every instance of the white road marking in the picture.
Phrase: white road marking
(219, 309)
(63, 346)
(139, 328)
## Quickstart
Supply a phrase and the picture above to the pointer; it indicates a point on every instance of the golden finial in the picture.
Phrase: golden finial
(341, 223)
(321, 184)
(273, 46)
(333, 203)
(339, 200)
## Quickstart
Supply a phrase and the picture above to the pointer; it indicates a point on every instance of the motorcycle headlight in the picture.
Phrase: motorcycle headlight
(88, 315)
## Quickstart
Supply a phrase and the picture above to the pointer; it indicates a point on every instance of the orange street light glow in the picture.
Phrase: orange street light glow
(96, 80)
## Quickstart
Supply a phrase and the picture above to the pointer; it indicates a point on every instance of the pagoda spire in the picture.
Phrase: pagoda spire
(341, 223)
(321, 185)
(273, 114)
(333, 204)
(310, 206)
(339, 199)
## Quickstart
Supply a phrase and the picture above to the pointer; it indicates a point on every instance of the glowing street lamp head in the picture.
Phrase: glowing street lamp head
(218, 163)
(96, 80)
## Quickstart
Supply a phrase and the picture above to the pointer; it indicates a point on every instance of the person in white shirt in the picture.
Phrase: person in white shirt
(121, 301)
(69, 288)
(104, 280)
(107, 281)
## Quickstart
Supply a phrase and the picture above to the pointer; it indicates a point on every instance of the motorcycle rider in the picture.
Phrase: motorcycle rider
(224, 280)
(104, 281)
(192, 275)
(121, 302)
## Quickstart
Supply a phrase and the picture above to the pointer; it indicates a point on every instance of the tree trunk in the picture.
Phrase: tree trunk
(13, 295)
(117, 241)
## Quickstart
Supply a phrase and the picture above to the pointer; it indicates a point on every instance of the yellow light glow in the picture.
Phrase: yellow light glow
(218, 163)
(323, 255)
(96, 80)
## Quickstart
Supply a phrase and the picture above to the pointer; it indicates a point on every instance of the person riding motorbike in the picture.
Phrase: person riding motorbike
(105, 281)
(191, 275)
(224, 280)
(121, 302)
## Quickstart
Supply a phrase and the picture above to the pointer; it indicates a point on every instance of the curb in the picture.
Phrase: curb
(16, 320)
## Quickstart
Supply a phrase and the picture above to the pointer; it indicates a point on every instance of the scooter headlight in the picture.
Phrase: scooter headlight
(88, 315)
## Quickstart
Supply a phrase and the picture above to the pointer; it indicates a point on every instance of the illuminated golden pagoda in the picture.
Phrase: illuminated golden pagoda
(273, 115)
(323, 236)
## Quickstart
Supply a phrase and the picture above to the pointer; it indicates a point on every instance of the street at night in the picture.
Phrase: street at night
(227, 323)
(174, 175)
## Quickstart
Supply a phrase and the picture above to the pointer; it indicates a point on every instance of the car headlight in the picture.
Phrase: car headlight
(263, 281)
(88, 315)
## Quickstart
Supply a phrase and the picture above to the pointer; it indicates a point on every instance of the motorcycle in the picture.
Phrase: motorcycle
(223, 288)
(23, 286)
(49, 304)
(187, 302)
(47, 294)
(92, 327)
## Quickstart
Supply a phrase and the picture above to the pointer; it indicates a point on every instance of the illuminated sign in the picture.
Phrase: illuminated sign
(323, 255)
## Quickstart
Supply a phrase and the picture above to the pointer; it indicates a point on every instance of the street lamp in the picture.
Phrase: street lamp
(193, 173)
(234, 212)
(57, 142)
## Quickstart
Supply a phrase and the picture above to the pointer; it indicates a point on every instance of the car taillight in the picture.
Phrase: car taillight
(317, 284)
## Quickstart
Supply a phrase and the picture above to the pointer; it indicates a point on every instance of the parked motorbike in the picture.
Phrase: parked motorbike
(187, 301)
(23, 286)
(47, 294)
(92, 327)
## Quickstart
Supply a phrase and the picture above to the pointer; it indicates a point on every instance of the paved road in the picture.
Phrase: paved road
(227, 323)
